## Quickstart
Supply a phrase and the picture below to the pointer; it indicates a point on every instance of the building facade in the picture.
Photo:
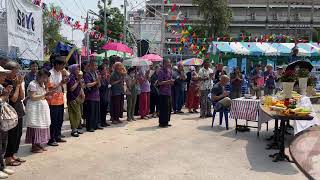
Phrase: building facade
(288, 17)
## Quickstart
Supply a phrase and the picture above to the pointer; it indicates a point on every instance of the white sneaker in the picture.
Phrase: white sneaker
(3, 175)
(8, 171)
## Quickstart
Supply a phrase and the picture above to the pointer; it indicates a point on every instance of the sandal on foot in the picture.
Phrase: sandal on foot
(20, 160)
(13, 163)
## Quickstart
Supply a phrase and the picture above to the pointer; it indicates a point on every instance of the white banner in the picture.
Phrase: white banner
(25, 29)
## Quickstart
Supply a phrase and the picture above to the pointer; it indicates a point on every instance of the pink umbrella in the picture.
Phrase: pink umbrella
(94, 54)
(152, 57)
(117, 47)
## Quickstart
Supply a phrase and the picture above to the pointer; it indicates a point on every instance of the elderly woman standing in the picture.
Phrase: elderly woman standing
(4, 96)
(131, 93)
(193, 99)
(74, 96)
(236, 83)
(154, 95)
(144, 98)
(93, 84)
(117, 92)
(104, 94)
(38, 124)
(15, 100)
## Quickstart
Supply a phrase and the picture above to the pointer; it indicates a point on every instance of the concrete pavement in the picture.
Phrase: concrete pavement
(189, 150)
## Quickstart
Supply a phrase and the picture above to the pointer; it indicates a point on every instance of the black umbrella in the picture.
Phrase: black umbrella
(300, 64)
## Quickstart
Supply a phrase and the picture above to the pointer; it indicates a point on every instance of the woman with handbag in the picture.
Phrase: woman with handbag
(38, 124)
(15, 79)
(4, 96)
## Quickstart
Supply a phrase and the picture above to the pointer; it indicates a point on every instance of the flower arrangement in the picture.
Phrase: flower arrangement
(289, 76)
(312, 81)
(303, 73)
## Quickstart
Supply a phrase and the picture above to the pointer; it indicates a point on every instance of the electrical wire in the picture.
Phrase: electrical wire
(79, 7)
(66, 8)
(82, 5)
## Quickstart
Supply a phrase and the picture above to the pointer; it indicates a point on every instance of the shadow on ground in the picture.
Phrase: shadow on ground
(256, 153)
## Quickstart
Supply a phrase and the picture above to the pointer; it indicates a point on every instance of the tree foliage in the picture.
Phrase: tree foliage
(114, 22)
(217, 15)
(51, 29)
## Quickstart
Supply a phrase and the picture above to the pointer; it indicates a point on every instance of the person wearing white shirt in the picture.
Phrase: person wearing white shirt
(206, 83)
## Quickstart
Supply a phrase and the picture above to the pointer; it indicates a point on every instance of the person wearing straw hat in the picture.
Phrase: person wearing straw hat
(4, 96)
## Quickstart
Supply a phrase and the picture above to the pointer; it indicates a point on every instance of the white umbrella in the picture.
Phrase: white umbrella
(136, 62)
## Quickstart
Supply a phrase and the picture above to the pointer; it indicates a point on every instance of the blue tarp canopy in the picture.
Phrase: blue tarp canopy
(265, 49)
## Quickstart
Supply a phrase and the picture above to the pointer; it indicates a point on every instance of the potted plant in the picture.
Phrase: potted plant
(303, 75)
(288, 79)
(311, 86)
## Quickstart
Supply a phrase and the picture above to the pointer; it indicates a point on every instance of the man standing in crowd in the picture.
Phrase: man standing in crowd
(93, 84)
(220, 95)
(270, 79)
(56, 101)
(179, 87)
(165, 80)
(206, 75)
(31, 75)
(255, 84)
(219, 72)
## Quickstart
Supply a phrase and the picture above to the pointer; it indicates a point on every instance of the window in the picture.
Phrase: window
(275, 16)
(253, 16)
(297, 16)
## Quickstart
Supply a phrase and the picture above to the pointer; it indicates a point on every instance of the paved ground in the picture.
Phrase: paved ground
(189, 150)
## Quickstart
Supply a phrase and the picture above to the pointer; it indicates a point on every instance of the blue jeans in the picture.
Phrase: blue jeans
(179, 99)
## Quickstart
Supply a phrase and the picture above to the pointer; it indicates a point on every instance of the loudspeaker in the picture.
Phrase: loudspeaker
(143, 47)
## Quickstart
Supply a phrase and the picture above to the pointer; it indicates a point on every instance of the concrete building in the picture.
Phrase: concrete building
(290, 17)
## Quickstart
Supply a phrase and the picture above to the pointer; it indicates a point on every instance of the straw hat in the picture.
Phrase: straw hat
(2, 70)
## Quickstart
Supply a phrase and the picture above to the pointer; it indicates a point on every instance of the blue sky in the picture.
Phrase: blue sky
(77, 8)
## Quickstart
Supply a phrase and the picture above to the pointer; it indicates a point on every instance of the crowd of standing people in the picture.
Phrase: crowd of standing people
(93, 91)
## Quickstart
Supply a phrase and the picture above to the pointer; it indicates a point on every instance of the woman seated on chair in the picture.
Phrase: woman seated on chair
(219, 95)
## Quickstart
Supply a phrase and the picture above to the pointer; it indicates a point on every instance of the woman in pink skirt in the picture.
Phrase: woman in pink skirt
(144, 98)
(38, 113)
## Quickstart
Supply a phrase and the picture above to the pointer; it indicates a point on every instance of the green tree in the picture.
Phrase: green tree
(114, 23)
(217, 15)
(51, 29)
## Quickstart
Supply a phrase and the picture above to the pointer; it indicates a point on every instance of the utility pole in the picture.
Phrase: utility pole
(125, 3)
(105, 24)
(88, 37)
(289, 17)
(267, 16)
(162, 30)
(311, 22)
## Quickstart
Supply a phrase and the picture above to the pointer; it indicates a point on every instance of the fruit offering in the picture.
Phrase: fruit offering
(288, 107)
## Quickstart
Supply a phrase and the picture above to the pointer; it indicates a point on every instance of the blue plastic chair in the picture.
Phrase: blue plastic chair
(224, 112)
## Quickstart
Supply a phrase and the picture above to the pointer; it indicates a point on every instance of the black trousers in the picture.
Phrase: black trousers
(14, 137)
(136, 110)
(103, 112)
(93, 115)
(3, 147)
(56, 113)
(165, 110)
(154, 103)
